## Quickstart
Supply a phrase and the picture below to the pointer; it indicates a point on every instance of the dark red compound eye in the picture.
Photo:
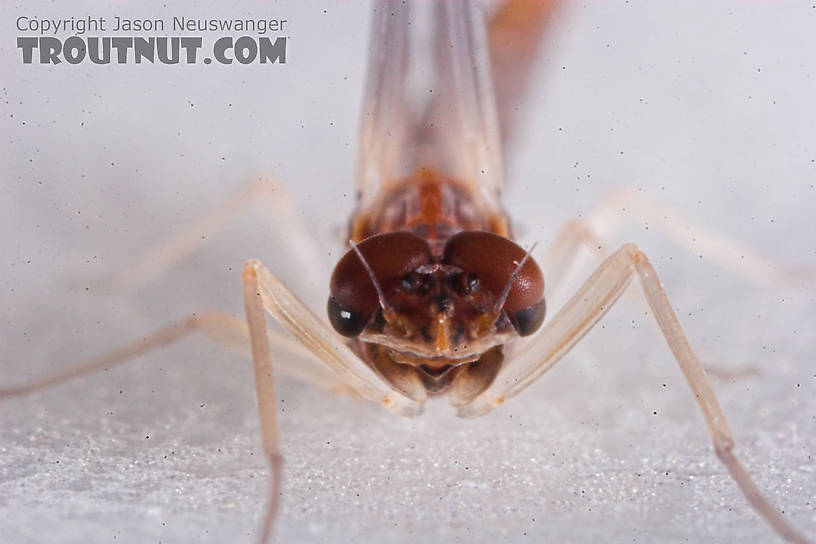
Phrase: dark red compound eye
(493, 259)
(353, 298)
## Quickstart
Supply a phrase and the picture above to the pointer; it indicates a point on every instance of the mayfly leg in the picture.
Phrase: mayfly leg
(266, 193)
(580, 314)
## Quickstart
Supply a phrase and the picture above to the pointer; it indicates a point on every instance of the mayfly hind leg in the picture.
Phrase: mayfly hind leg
(619, 208)
(267, 192)
(223, 329)
(628, 205)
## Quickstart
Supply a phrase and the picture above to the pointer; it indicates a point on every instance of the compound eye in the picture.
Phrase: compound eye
(492, 259)
(528, 320)
(345, 320)
(391, 256)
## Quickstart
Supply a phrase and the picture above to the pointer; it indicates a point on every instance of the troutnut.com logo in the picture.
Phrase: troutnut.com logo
(243, 41)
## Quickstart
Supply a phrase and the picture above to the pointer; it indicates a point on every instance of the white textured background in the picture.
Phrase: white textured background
(707, 107)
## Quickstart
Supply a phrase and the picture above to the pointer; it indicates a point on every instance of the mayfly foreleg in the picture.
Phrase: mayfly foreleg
(322, 341)
(580, 314)
(263, 292)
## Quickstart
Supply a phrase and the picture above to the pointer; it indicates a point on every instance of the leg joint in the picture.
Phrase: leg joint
(251, 268)
(634, 252)
(723, 446)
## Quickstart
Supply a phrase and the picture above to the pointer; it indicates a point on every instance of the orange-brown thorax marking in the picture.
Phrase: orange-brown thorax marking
(431, 205)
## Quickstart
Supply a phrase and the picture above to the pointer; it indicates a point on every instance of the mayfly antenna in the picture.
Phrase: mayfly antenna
(371, 275)
(506, 291)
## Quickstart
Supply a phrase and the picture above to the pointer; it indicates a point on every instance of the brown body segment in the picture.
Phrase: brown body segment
(430, 205)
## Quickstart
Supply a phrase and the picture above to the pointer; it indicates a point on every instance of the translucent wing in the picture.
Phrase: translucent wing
(429, 99)
(462, 115)
(386, 123)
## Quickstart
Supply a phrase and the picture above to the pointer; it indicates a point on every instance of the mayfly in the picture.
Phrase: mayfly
(433, 297)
